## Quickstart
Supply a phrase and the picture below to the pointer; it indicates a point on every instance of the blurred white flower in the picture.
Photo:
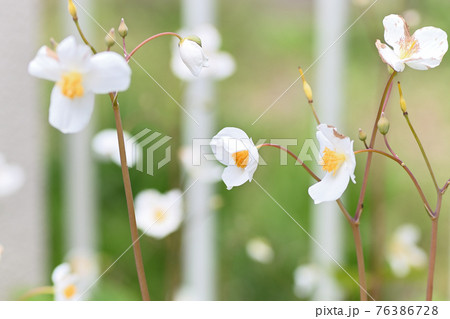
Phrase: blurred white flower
(106, 146)
(220, 64)
(233, 148)
(310, 278)
(66, 283)
(192, 55)
(158, 215)
(84, 264)
(403, 252)
(338, 160)
(421, 51)
(260, 250)
(192, 163)
(12, 177)
(78, 75)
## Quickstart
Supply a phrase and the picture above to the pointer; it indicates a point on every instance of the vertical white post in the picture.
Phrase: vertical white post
(331, 21)
(22, 218)
(199, 228)
(79, 173)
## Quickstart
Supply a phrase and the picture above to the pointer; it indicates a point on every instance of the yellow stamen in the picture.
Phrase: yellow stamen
(241, 158)
(408, 47)
(69, 291)
(332, 160)
(71, 85)
(160, 215)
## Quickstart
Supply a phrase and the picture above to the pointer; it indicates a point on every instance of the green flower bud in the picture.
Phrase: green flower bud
(383, 124)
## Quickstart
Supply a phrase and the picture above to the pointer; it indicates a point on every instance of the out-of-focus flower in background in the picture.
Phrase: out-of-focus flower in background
(1, 251)
(421, 51)
(106, 146)
(338, 160)
(403, 252)
(159, 215)
(260, 250)
(412, 17)
(233, 148)
(191, 160)
(12, 177)
(79, 75)
(84, 264)
(309, 277)
(66, 283)
(220, 64)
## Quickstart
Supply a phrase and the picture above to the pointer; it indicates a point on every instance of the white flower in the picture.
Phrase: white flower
(310, 278)
(403, 252)
(232, 147)
(338, 160)
(421, 51)
(158, 215)
(106, 146)
(12, 177)
(259, 249)
(66, 283)
(83, 264)
(220, 64)
(78, 75)
(191, 160)
(192, 54)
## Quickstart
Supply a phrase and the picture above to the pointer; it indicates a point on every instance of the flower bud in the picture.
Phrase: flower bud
(362, 135)
(306, 87)
(72, 10)
(402, 99)
(192, 54)
(383, 124)
(110, 38)
(123, 29)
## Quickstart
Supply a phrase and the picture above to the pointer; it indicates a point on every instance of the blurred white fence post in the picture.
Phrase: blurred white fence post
(80, 207)
(331, 22)
(198, 278)
(22, 218)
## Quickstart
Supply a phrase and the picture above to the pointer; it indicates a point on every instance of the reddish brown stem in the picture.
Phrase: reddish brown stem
(432, 260)
(150, 39)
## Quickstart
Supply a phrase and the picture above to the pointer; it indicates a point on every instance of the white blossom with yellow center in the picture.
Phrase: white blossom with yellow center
(78, 75)
(233, 148)
(158, 215)
(338, 160)
(66, 283)
(421, 51)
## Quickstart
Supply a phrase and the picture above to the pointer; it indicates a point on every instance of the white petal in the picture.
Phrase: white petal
(109, 73)
(222, 65)
(60, 272)
(234, 176)
(73, 56)
(44, 66)
(12, 177)
(192, 55)
(228, 141)
(330, 188)
(433, 45)
(389, 57)
(106, 146)
(70, 115)
(395, 29)
(331, 137)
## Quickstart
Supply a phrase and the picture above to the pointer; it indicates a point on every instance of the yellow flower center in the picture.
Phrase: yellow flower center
(332, 160)
(241, 158)
(408, 47)
(160, 215)
(71, 85)
(69, 291)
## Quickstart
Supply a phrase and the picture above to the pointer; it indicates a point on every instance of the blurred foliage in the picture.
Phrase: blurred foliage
(269, 39)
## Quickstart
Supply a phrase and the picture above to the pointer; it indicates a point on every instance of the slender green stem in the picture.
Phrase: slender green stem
(362, 194)
(360, 261)
(310, 172)
(432, 259)
(85, 40)
(422, 150)
(150, 39)
(408, 171)
(130, 205)
(314, 112)
(46, 290)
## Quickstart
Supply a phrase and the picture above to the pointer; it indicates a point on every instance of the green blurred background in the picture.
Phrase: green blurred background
(269, 40)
